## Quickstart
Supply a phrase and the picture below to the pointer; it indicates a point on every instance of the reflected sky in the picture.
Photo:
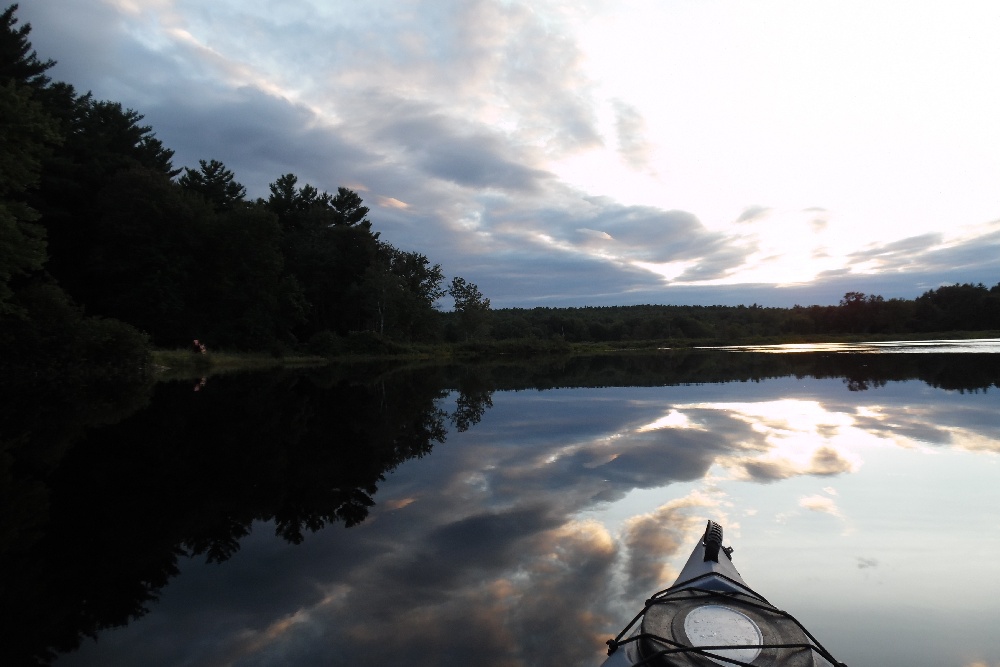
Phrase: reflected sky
(534, 536)
(981, 345)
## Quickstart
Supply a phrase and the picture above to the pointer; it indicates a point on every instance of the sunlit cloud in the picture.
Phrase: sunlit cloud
(793, 438)
(398, 503)
(974, 442)
(392, 202)
(673, 419)
(822, 504)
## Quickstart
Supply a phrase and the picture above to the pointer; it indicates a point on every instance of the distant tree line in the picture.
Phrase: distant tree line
(963, 307)
(95, 220)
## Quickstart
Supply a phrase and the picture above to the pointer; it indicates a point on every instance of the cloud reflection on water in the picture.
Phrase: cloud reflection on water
(511, 549)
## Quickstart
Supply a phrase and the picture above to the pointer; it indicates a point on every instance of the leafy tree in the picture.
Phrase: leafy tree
(29, 134)
(860, 312)
(215, 183)
(470, 305)
(954, 307)
(403, 288)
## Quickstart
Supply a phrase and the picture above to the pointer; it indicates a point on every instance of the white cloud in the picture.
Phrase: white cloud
(821, 504)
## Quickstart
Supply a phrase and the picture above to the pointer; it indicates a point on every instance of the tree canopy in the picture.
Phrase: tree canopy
(215, 183)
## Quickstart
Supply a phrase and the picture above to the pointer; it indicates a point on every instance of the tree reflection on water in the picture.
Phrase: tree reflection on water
(104, 492)
(112, 508)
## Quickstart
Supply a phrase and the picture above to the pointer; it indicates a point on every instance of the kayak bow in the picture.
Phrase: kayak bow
(711, 617)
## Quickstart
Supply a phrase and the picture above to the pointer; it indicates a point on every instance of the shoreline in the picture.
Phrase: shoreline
(171, 364)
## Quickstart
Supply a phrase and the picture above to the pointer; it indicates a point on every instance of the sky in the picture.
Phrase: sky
(591, 152)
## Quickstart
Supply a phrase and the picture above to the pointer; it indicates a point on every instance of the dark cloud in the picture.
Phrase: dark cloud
(468, 155)
(260, 136)
(826, 462)
(637, 233)
(916, 427)
(931, 259)
(718, 264)
(767, 471)
(480, 541)
(979, 254)
(636, 466)
(651, 539)
(901, 250)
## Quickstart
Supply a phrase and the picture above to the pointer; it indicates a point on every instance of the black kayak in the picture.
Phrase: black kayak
(711, 617)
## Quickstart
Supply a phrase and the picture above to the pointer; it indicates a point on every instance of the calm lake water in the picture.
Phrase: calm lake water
(510, 514)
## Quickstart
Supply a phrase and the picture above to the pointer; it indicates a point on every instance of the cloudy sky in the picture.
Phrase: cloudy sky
(591, 152)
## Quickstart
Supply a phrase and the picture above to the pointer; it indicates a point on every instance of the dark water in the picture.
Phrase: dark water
(503, 514)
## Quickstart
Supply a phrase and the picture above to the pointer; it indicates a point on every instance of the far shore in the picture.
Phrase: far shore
(171, 364)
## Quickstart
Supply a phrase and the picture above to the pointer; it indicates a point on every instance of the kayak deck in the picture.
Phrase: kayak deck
(709, 616)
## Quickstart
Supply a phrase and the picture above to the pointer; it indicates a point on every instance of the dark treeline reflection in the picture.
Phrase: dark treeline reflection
(965, 372)
(104, 489)
(104, 515)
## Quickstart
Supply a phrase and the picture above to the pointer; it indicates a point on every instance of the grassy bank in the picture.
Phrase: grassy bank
(182, 363)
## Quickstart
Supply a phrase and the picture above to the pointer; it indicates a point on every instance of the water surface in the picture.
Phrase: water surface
(525, 512)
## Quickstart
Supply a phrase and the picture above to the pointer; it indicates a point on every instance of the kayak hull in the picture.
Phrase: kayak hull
(709, 617)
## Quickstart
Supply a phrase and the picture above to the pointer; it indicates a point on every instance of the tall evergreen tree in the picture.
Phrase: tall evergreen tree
(41, 330)
(28, 134)
(215, 183)
(18, 61)
(329, 247)
(103, 140)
